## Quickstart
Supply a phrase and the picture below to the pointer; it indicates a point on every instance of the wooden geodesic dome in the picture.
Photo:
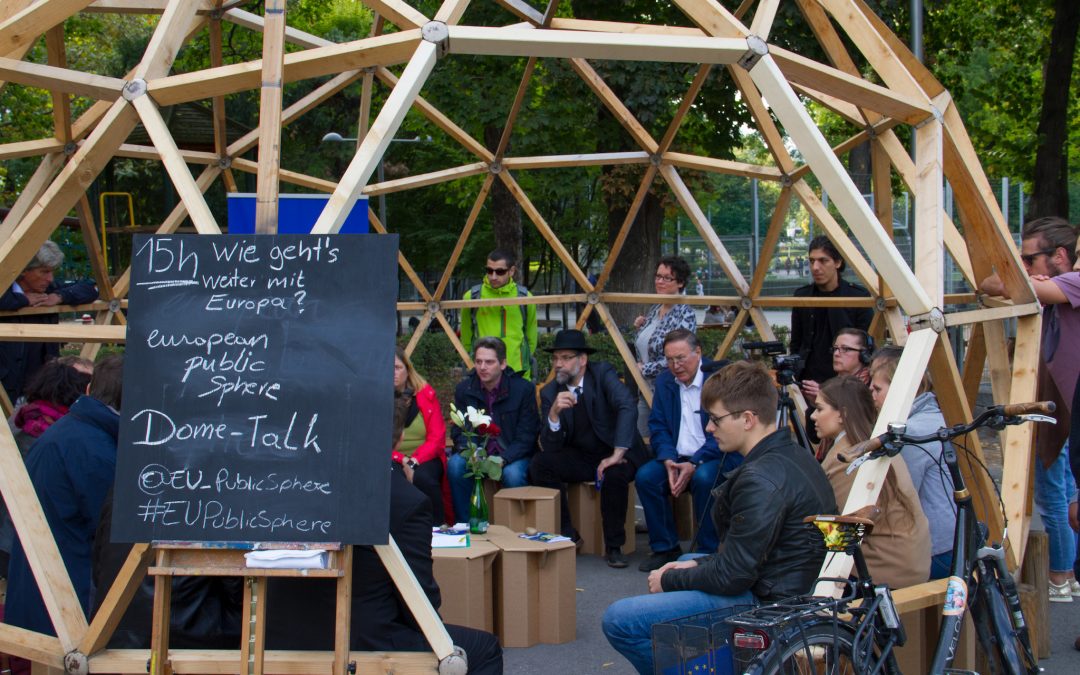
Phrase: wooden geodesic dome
(911, 304)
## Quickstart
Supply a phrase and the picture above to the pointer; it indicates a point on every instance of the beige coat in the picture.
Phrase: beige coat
(898, 549)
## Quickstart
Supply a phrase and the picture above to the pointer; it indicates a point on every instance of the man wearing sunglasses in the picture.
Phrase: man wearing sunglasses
(1048, 252)
(514, 325)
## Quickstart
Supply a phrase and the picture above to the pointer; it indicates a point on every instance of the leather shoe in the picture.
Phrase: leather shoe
(616, 558)
(659, 559)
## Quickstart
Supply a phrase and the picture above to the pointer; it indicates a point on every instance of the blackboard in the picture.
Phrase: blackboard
(258, 389)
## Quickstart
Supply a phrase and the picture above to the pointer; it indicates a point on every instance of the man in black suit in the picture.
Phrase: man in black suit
(300, 614)
(588, 433)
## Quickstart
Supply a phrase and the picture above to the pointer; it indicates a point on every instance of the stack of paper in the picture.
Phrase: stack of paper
(288, 559)
(458, 537)
(545, 537)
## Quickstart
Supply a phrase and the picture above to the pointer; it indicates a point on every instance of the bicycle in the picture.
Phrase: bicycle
(859, 631)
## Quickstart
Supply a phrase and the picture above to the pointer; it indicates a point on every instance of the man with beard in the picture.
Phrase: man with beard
(588, 433)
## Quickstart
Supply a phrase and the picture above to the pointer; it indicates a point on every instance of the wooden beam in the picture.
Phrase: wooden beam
(801, 70)
(181, 177)
(398, 12)
(974, 362)
(724, 166)
(33, 148)
(148, 6)
(585, 159)
(704, 228)
(712, 18)
(208, 661)
(770, 81)
(619, 110)
(221, 132)
(292, 35)
(31, 645)
(522, 10)
(929, 208)
(384, 50)
(61, 333)
(94, 254)
(900, 50)
(377, 140)
(425, 179)
(271, 94)
(1017, 441)
(763, 18)
(22, 29)
(42, 554)
(515, 108)
(877, 52)
(61, 102)
(628, 358)
(117, 599)
(61, 80)
(551, 43)
(410, 591)
(451, 11)
(622, 27)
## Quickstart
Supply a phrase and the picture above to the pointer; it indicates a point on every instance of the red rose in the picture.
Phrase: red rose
(482, 429)
(493, 430)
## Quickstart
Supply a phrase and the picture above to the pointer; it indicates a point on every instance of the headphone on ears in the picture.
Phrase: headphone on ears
(866, 354)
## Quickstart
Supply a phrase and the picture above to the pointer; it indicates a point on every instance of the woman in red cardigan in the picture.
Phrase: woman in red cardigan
(422, 452)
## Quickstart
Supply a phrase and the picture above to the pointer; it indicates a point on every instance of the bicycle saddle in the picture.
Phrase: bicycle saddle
(842, 532)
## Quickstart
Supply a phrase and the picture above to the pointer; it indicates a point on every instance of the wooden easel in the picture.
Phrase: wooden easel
(198, 560)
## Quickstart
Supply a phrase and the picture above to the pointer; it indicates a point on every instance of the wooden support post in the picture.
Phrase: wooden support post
(929, 203)
(414, 598)
(270, 97)
(1016, 445)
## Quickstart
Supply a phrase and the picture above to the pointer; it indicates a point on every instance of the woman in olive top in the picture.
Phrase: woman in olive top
(422, 453)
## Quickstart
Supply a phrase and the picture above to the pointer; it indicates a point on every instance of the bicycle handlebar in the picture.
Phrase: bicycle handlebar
(1012, 412)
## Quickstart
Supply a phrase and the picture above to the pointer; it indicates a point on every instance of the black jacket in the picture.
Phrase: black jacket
(514, 412)
(612, 412)
(300, 614)
(765, 547)
(20, 360)
(802, 323)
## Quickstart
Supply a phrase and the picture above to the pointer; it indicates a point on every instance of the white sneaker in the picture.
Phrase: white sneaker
(1061, 593)
(1074, 588)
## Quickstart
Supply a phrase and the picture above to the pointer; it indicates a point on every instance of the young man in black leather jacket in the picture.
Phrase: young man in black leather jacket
(766, 551)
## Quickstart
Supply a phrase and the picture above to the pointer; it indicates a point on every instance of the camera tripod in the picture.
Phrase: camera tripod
(786, 411)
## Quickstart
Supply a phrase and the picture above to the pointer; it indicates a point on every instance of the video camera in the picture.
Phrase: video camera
(786, 365)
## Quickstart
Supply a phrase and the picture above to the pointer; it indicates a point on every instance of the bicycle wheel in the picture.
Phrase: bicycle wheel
(1007, 652)
(822, 649)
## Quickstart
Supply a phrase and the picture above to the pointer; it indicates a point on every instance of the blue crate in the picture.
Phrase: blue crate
(699, 644)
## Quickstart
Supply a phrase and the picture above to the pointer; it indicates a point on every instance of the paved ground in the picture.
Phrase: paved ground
(598, 585)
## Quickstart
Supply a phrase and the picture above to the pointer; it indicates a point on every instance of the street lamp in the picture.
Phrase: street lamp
(335, 137)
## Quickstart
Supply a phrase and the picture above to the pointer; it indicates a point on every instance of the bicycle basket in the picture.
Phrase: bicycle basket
(695, 644)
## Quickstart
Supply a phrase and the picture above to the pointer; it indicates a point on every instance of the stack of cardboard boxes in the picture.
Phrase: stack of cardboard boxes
(523, 590)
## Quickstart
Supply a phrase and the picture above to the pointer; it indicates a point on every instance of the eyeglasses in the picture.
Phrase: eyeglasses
(845, 349)
(497, 271)
(1029, 258)
(716, 420)
(665, 278)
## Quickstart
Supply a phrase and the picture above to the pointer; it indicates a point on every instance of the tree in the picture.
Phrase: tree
(1050, 196)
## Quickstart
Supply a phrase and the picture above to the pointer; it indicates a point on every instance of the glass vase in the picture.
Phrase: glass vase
(478, 509)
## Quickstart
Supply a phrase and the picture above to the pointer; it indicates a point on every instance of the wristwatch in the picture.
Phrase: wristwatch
(412, 463)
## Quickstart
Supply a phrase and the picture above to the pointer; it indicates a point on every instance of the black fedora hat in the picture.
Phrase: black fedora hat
(570, 339)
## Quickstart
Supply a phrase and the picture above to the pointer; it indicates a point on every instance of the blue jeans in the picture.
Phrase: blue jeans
(628, 622)
(1054, 487)
(515, 474)
(653, 490)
